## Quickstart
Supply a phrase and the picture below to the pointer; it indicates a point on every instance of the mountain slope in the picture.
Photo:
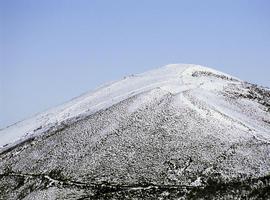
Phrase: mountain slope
(177, 131)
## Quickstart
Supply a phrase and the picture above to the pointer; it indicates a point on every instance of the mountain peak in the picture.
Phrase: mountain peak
(172, 78)
(176, 132)
(186, 70)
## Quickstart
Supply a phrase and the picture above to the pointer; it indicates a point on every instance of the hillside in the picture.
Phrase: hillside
(179, 131)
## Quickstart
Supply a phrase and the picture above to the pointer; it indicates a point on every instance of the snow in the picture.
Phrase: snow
(174, 79)
(197, 182)
(177, 126)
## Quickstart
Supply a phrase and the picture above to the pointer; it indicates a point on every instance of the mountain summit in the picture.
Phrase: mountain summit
(179, 131)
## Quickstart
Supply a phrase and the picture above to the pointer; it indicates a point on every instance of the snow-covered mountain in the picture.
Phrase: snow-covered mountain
(177, 131)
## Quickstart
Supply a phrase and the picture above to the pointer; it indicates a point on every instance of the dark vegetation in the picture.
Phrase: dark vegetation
(210, 74)
(254, 92)
(213, 188)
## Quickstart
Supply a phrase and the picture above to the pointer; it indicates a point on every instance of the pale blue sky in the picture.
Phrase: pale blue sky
(52, 50)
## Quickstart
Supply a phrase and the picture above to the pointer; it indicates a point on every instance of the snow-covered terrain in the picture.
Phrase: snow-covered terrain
(179, 131)
(173, 78)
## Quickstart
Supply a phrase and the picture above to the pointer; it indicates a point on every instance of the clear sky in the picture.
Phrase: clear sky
(53, 50)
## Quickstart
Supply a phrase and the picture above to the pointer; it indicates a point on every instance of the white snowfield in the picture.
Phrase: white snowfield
(174, 78)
